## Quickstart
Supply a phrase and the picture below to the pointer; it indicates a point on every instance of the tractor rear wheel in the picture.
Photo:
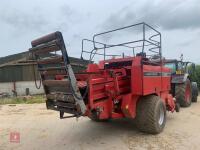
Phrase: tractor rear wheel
(194, 91)
(183, 93)
(151, 114)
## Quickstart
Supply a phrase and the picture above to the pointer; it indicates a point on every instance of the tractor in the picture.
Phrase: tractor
(183, 88)
(115, 85)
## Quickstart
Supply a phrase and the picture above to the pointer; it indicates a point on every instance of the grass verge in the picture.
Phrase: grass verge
(23, 100)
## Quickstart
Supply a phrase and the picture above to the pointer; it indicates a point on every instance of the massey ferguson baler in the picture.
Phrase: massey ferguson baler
(136, 86)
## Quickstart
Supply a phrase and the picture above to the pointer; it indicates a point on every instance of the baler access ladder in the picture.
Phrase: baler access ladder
(62, 94)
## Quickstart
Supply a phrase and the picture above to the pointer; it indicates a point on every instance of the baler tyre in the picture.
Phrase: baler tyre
(183, 93)
(194, 91)
(150, 114)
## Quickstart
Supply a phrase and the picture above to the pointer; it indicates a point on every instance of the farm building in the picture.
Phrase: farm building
(17, 75)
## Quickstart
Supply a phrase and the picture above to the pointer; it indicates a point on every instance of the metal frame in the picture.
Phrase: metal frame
(144, 40)
(51, 43)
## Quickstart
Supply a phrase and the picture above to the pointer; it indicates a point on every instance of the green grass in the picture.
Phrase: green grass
(23, 100)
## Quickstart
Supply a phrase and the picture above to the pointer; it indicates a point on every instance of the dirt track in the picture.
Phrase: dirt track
(42, 129)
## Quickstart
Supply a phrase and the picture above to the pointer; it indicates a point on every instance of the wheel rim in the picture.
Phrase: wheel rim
(187, 93)
(161, 116)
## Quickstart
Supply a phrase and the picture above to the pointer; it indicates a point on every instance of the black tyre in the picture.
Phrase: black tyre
(183, 93)
(194, 91)
(151, 114)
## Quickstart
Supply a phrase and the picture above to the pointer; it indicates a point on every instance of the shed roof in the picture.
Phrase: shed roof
(24, 59)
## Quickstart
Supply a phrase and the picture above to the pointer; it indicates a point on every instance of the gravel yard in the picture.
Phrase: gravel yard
(39, 128)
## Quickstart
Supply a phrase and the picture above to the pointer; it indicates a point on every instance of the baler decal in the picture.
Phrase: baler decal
(157, 74)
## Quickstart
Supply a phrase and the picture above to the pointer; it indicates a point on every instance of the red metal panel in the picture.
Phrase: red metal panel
(136, 76)
(129, 105)
(155, 83)
(151, 85)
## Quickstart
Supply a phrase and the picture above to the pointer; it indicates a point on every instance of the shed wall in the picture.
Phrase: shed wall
(24, 72)
(20, 88)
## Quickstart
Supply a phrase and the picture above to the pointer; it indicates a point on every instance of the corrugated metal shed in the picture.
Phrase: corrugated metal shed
(17, 67)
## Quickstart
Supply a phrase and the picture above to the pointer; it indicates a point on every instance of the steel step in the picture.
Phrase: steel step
(51, 68)
(58, 88)
(62, 106)
(51, 60)
(53, 72)
(46, 39)
(65, 105)
(61, 97)
(45, 48)
(56, 82)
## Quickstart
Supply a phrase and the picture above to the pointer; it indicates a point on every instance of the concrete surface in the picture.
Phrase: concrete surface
(42, 129)
(21, 86)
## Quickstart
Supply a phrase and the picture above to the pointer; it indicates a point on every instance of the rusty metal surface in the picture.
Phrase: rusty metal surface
(44, 39)
(61, 97)
(46, 49)
(51, 60)
(50, 43)
(56, 82)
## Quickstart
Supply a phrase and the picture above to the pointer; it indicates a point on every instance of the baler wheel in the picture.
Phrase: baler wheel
(151, 114)
(183, 93)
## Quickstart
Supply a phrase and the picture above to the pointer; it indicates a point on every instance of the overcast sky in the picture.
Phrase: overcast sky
(24, 20)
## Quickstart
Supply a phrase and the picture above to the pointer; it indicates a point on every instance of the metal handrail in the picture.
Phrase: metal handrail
(150, 41)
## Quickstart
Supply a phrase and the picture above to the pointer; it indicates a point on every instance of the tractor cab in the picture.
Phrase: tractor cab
(179, 67)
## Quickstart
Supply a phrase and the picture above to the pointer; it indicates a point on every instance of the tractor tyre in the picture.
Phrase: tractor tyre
(194, 91)
(150, 114)
(183, 93)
